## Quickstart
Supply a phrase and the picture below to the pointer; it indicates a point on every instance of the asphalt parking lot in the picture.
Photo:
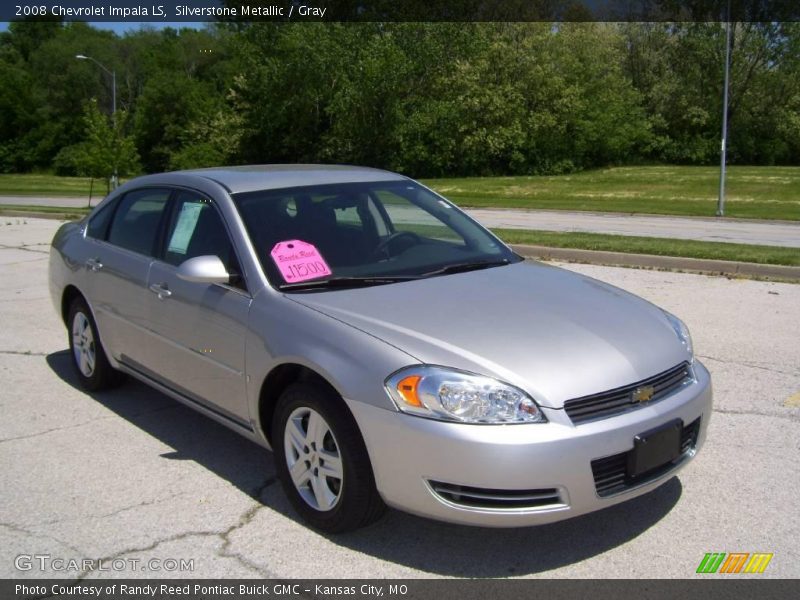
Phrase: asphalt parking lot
(131, 474)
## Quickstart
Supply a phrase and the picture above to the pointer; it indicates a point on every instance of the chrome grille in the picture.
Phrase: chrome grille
(611, 473)
(620, 400)
(473, 497)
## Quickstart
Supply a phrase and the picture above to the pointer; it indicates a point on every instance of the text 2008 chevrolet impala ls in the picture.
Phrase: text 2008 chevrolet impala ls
(388, 348)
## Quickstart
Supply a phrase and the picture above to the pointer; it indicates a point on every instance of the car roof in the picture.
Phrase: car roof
(265, 177)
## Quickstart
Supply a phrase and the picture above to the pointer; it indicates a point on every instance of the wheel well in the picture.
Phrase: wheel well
(69, 295)
(274, 385)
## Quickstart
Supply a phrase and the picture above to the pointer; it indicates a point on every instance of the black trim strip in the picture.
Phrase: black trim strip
(131, 364)
(619, 400)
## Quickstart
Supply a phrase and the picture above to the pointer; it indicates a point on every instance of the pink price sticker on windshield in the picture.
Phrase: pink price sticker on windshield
(299, 261)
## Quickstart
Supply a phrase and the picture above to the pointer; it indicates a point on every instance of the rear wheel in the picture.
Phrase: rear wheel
(322, 462)
(88, 357)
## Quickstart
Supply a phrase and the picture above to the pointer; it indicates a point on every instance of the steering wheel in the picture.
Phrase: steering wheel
(383, 247)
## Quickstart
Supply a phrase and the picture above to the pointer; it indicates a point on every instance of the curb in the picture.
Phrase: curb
(598, 257)
(696, 265)
(64, 215)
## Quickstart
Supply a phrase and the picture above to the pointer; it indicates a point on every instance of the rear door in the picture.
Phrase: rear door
(122, 242)
(200, 329)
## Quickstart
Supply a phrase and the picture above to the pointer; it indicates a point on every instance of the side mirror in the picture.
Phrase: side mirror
(204, 269)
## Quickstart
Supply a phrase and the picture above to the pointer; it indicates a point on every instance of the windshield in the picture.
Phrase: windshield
(373, 232)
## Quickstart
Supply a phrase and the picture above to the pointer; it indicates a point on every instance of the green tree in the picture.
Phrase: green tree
(211, 141)
(422, 98)
(678, 70)
(18, 106)
(183, 80)
(105, 150)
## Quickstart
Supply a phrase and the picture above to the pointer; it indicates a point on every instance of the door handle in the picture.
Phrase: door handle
(161, 290)
(94, 264)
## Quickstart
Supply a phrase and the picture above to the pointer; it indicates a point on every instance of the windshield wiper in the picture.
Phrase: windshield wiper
(344, 282)
(463, 267)
(353, 282)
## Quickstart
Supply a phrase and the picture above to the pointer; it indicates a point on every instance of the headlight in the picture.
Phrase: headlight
(447, 394)
(681, 331)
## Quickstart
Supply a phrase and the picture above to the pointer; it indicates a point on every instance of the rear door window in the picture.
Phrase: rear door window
(98, 224)
(136, 222)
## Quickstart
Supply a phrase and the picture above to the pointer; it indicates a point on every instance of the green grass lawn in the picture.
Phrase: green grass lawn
(771, 255)
(752, 192)
(42, 184)
(587, 241)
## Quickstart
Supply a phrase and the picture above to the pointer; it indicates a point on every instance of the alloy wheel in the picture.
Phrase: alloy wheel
(313, 458)
(83, 348)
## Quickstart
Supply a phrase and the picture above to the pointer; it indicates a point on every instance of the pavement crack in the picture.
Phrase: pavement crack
(26, 247)
(124, 509)
(47, 431)
(114, 513)
(24, 353)
(752, 413)
(82, 423)
(748, 364)
(245, 519)
(31, 249)
(25, 262)
(151, 546)
(47, 536)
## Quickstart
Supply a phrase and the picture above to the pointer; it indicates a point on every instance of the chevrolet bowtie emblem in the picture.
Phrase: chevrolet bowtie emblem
(643, 394)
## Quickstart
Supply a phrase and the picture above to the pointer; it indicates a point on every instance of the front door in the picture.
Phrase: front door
(199, 329)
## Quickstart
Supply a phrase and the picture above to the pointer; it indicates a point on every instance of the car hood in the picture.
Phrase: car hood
(556, 334)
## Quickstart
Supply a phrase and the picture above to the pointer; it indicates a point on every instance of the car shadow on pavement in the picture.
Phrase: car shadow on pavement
(428, 546)
(461, 551)
(192, 436)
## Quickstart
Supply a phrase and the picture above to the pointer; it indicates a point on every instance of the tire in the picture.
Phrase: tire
(88, 356)
(316, 437)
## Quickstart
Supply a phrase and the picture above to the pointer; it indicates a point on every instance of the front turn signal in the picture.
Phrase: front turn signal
(407, 388)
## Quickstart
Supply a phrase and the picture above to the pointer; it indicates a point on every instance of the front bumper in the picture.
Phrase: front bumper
(409, 452)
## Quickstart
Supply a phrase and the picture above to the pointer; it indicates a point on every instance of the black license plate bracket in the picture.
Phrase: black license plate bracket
(655, 448)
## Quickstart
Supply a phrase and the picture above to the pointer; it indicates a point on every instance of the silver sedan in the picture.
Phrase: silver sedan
(386, 347)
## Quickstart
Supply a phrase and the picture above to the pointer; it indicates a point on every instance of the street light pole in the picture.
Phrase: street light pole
(721, 200)
(113, 74)
(114, 96)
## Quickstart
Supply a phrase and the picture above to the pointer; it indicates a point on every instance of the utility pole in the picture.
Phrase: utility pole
(724, 147)
(113, 74)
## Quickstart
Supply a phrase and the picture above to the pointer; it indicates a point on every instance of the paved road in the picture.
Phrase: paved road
(131, 474)
(688, 228)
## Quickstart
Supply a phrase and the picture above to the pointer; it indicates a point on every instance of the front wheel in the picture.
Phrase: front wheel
(88, 357)
(322, 462)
